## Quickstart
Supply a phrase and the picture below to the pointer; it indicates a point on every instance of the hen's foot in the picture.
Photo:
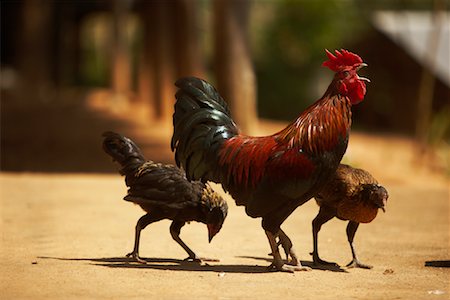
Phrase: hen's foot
(207, 259)
(319, 262)
(356, 264)
(136, 257)
(325, 263)
(201, 259)
(193, 259)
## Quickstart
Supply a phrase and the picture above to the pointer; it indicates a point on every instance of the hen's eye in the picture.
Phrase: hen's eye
(346, 73)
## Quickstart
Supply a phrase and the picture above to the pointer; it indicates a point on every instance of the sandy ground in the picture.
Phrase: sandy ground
(65, 236)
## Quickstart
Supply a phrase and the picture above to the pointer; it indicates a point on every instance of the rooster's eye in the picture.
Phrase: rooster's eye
(346, 73)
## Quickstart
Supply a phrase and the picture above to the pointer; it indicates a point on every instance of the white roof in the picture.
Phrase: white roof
(412, 30)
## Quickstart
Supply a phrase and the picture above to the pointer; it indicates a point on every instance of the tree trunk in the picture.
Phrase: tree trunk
(35, 62)
(157, 68)
(165, 66)
(234, 70)
(188, 55)
(121, 70)
(427, 82)
(147, 60)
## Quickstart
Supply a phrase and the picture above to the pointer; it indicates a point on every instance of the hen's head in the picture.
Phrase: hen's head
(346, 65)
(215, 209)
(375, 195)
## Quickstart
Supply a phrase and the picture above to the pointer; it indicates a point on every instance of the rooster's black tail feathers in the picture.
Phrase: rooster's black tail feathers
(202, 122)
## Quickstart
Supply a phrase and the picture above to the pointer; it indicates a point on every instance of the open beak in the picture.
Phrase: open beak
(364, 79)
(362, 65)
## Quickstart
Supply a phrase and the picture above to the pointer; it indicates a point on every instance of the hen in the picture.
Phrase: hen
(271, 175)
(352, 195)
(164, 193)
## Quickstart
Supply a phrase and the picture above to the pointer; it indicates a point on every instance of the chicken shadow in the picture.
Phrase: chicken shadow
(166, 264)
(438, 263)
(333, 268)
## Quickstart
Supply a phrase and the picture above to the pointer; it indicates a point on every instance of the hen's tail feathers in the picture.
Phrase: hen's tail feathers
(202, 122)
(123, 150)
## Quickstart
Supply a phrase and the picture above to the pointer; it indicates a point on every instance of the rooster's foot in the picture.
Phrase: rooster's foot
(282, 267)
(356, 264)
(136, 257)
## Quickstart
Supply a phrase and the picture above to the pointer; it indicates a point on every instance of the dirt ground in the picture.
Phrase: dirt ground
(65, 236)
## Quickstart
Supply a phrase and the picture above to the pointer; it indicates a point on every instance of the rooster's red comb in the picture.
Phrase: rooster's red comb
(341, 60)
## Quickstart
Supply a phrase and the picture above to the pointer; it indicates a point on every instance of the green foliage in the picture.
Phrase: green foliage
(294, 42)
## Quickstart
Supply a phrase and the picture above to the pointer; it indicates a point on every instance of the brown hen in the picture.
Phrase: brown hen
(352, 195)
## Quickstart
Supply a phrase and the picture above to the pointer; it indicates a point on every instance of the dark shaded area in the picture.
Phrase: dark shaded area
(167, 264)
(390, 103)
(312, 265)
(290, 76)
(183, 265)
(65, 137)
(438, 263)
(137, 49)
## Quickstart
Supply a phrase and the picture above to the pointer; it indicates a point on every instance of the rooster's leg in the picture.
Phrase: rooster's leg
(175, 229)
(287, 245)
(141, 224)
(278, 263)
(325, 214)
(351, 231)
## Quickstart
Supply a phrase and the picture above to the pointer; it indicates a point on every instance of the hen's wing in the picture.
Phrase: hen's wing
(163, 186)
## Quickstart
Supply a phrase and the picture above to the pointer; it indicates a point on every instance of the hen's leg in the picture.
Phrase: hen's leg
(325, 214)
(351, 231)
(278, 263)
(175, 229)
(141, 224)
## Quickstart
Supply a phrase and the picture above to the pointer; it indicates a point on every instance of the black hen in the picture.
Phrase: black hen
(164, 193)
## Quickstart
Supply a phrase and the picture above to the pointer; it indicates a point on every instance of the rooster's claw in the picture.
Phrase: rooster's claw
(287, 268)
(356, 264)
(136, 257)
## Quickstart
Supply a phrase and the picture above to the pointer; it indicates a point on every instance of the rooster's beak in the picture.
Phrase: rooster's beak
(362, 65)
(363, 79)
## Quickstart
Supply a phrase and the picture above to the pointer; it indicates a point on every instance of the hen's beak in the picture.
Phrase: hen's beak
(212, 231)
(383, 205)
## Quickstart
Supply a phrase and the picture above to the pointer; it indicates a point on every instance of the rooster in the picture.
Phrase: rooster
(353, 195)
(164, 193)
(270, 175)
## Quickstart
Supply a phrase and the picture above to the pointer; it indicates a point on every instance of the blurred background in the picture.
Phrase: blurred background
(73, 69)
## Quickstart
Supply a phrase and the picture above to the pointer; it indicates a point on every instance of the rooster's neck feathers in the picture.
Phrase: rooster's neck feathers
(319, 127)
